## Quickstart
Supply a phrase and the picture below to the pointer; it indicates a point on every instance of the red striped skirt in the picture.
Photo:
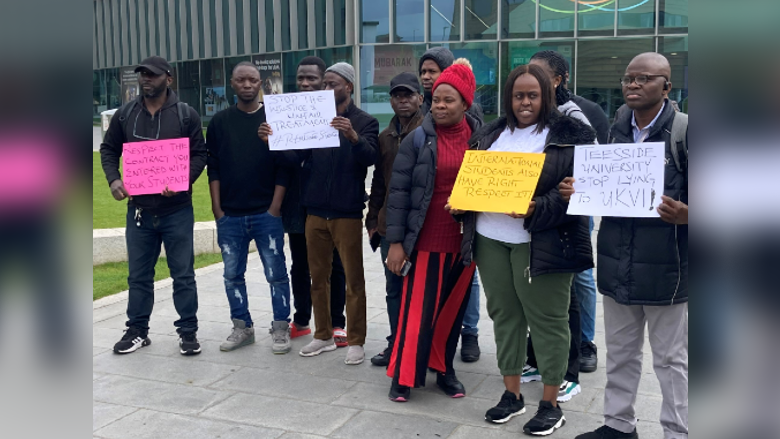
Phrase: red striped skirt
(433, 303)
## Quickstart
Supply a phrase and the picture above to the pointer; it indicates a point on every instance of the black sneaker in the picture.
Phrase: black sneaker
(399, 393)
(469, 348)
(507, 408)
(449, 383)
(188, 344)
(589, 360)
(382, 359)
(546, 421)
(605, 432)
(133, 340)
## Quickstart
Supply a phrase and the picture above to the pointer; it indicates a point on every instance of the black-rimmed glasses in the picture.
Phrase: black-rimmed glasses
(639, 79)
(135, 124)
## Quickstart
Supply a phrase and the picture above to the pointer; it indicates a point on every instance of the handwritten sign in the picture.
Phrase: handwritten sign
(301, 120)
(625, 180)
(496, 181)
(150, 166)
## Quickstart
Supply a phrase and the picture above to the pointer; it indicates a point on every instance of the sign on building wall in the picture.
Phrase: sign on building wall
(270, 67)
(130, 87)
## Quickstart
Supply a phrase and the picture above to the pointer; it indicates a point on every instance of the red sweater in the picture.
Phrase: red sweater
(440, 233)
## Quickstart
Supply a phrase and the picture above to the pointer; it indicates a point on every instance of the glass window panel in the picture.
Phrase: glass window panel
(303, 25)
(340, 22)
(409, 16)
(320, 19)
(188, 29)
(189, 84)
(596, 19)
(114, 88)
(675, 49)
(673, 17)
(213, 87)
(269, 26)
(98, 93)
(255, 27)
(213, 18)
(517, 53)
(484, 61)
(290, 62)
(481, 19)
(240, 27)
(374, 21)
(201, 33)
(636, 17)
(379, 64)
(601, 63)
(230, 63)
(445, 20)
(338, 54)
(285, 4)
(556, 18)
(518, 19)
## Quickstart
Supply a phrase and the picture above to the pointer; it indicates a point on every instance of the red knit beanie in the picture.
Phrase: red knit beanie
(461, 77)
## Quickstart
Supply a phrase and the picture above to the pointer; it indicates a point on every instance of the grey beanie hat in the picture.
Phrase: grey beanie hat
(344, 70)
(440, 55)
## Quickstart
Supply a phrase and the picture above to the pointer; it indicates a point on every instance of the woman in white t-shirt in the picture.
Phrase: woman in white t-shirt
(527, 261)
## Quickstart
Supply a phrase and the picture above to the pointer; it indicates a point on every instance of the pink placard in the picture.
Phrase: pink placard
(152, 165)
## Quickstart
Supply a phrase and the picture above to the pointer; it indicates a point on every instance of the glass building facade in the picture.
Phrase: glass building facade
(204, 39)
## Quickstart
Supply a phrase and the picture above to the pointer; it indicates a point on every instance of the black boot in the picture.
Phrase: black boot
(449, 383)
(589, 360)
(469, 348)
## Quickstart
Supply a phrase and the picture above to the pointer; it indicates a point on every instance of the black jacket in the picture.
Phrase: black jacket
(335, 178)
(167, 119)
(596, 116)
(411, 186)
(644, 261)
(560, 243)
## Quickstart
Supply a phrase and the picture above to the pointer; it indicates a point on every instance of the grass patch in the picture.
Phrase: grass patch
(111, 278)
(108, 213)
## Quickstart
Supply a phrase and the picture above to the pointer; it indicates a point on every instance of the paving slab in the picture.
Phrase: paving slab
(284, 384)
(104, 414)
(389, 426)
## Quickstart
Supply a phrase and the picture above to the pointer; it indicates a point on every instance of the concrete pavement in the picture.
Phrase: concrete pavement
(251, 393)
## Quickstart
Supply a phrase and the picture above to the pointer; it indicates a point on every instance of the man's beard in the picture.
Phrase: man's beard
(156, 92)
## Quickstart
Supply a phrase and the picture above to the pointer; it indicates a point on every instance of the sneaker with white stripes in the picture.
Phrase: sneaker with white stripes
(133, 340)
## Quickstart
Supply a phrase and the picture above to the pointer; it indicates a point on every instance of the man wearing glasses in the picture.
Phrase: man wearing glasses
(643, 265)
(165, 218)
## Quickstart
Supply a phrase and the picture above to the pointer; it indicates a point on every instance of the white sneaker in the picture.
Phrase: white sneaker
(355, 355)
(317, 347)
(530, 374)
(568, 391)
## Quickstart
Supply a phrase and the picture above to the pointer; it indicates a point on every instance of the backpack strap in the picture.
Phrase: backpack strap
(419, 137)
(124, 113)
(184, 118)
(679, 139)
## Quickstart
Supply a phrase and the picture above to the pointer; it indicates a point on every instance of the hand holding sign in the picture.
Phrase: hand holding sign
(528, 213)
(673, 211)
(264, 131)
(566, 188)
(344, 125)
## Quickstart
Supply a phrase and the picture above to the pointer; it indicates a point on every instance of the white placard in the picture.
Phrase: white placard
(301, 120)
(618, 179)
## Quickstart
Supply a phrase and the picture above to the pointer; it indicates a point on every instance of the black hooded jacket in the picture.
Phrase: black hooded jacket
(560, 243)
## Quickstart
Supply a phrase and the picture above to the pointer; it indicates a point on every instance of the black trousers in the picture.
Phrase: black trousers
(300, 280)
(573, 371)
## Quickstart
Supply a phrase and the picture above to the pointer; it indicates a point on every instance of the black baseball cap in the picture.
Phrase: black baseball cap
(155, 64)
(407, 81)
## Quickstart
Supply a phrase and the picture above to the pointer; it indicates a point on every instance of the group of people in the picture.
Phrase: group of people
(535, 266)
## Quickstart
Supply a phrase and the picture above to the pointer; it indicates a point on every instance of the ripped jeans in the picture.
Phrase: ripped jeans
(234, 235)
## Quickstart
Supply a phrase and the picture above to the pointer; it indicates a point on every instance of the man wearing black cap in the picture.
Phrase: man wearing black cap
(434, 61)
(165, 218)
(405, 98)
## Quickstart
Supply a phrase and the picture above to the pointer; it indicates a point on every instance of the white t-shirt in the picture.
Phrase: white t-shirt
(499, 226)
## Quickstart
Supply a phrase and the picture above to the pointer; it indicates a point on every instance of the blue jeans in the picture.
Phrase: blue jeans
(394, 286)
(471, 317)
(175, 231)
(585, 288)
(234, 235)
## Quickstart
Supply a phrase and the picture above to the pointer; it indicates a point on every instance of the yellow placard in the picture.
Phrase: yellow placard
(500, 182)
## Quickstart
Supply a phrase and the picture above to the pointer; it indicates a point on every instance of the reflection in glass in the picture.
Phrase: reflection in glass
(320, 17)
(379, 64)
(556, 18)
(518, 19)
(303, 24)
(374, 21)
(285, 6)
(673, 17)
(600, 65)
(596, 19)
(484, 61)
(189, 84)
(254, 26)
(517, 53)
(409, 18)
(114, 86)
(338, 54)
(445, 20)
(675, 49)
(339, 22)
(269, 26)
(481, 19)
(636, 17)
(213, 88)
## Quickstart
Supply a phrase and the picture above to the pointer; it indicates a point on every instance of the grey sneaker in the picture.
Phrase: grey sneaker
(317, 347)
(241, 336)
(355, 355)
(280, 332)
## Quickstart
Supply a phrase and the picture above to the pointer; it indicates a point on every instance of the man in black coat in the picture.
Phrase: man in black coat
(643, 268)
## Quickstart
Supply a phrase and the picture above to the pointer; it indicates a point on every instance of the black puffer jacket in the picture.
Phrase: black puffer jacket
(560, 243)
(644, 261)
(411, 186)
